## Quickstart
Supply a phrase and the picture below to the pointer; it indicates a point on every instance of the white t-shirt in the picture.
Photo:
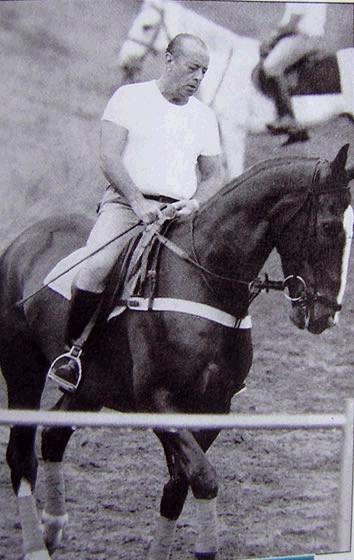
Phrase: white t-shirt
(164, 139)
(313, 17)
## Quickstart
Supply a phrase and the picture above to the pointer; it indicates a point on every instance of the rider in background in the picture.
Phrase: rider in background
(299, 33)
(159, 145)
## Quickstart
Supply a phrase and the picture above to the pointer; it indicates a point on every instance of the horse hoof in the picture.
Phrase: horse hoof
(38, 555)
(52, 527)
(205, 555)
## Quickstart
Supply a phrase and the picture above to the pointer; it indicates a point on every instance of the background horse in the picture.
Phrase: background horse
(171, 362)
(228, 86)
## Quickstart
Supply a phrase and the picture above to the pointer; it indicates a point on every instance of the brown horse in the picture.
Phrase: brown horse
(169, 361)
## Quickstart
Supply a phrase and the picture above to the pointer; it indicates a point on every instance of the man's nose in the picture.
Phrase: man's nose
(198, 76)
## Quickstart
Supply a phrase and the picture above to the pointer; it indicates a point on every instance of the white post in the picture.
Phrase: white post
(345, 522)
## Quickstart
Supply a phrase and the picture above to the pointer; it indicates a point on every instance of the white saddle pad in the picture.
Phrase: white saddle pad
(58, 279)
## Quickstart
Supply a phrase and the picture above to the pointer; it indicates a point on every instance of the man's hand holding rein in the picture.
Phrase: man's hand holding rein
(148, 211)
(186, 207)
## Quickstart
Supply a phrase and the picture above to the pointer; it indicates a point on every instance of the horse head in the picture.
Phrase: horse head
(148, 35)
(315, 244)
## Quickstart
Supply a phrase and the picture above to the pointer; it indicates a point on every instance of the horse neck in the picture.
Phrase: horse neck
(238, 222)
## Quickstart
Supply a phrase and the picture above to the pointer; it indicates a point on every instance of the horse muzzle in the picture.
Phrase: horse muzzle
(316, 316)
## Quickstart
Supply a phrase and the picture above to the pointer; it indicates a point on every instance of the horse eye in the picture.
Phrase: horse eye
(147, 27)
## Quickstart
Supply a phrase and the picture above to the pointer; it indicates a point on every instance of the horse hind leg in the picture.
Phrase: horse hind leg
(54, 514)
(54, 442)
(25, 376)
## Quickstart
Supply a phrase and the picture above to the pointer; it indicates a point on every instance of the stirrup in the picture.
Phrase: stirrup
(72, 356)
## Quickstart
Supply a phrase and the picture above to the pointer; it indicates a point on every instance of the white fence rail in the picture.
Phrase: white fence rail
(173, 421)
(344, 422)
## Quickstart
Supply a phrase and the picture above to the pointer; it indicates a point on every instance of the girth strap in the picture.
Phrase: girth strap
(182, 306)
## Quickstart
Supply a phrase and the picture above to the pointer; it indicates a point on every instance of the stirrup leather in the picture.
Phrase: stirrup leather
(72, 356)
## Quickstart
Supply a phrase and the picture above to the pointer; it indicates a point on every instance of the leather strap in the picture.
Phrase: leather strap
(182, 306)
(160, 198)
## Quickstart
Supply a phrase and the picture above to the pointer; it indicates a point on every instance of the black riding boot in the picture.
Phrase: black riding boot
(66, 371)
(285, 123)
(286, 119)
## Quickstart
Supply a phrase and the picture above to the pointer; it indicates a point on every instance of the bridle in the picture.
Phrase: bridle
(150, 45)
(309, 296)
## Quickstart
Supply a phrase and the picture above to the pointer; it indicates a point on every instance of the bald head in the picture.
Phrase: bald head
(186, 62)
(184, 43)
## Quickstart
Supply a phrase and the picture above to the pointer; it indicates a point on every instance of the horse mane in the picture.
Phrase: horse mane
(253, 172)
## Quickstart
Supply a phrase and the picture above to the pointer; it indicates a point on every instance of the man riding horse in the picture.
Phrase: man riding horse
(298, 35)
(154, 136)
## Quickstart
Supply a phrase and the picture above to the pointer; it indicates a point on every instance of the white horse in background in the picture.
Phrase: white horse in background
(227, 86)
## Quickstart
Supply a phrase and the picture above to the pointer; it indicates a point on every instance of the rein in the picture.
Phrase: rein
(306, 300)
(309, 296)
(254, 286)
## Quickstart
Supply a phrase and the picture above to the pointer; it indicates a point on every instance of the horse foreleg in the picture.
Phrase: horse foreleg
(32, 537)
(195, 471)
(54, 515)
(172, 501)
(206, 513)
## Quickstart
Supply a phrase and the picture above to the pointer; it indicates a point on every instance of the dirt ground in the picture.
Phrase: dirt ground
(279, 491)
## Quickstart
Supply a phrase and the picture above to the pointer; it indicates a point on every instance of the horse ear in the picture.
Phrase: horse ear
(350, 172)
(338, 164)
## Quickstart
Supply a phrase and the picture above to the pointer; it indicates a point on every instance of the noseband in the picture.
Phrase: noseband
(150, 45)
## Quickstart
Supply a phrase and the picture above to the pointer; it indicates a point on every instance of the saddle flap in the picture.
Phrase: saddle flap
(143, 261)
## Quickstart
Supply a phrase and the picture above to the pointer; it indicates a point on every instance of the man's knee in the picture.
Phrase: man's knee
(275, 64)
(285, 53)
(272, 71)
(93, 275)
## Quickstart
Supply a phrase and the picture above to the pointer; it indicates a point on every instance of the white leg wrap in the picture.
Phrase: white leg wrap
(33, 544)
(54, 516)
(207, 541)
(39, 555)
(55, 489)
(163, 539)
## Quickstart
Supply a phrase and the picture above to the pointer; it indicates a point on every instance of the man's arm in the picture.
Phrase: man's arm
(212, 177)
(113, 142)
(211, 180)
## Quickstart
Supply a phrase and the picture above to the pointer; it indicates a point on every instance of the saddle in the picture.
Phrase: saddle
(135, 269)
(135, 274)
